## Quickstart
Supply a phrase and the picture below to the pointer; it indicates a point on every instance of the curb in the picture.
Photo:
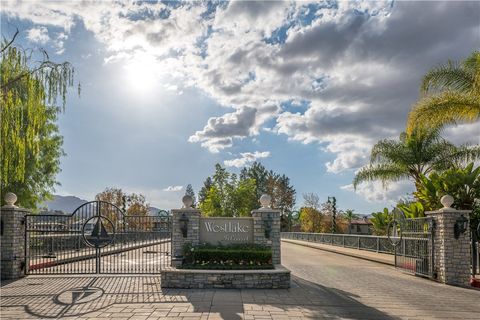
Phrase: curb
(359, 256)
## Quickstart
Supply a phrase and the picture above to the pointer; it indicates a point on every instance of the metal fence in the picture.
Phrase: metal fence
(413, 252)
(97, 238)
(360, 242)
(475, 236)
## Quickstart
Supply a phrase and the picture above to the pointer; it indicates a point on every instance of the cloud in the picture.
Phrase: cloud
(246, 158)
(173, 188)
(375, 192)
(355, 64)
(38, 35)
(219, 131)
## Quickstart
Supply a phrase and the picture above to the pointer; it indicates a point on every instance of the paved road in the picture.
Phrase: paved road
(376, 289)
(324, 286)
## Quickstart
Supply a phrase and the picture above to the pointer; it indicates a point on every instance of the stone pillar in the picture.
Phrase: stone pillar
(452, 256)
(193, 234)
(12, 238)
(260, 218)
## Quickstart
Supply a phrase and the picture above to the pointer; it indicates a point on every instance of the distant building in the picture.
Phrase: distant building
(361, 226)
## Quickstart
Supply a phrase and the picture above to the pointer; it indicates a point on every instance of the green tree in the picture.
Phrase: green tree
(258, 173)
(212, 204)
(310, 220)
(451, 93)
(412, 209)
(269, 182)
(349, 215)
(30, 144)
(238, 196)
(134, 204)
(202, 194)
(380, 221)
(245, 197)
(463, 184)
(189, 192)
(413, 155)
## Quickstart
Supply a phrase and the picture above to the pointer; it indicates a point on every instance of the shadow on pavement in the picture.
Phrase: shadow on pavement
(59, 297)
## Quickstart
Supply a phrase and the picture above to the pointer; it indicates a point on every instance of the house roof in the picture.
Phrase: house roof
(361, 221)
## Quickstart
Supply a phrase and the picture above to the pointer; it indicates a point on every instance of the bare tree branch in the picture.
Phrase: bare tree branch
(11, 41)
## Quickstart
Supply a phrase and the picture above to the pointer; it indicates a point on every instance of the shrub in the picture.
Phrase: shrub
(208, 256)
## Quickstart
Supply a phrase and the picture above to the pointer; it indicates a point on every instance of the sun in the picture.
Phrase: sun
(140, 74)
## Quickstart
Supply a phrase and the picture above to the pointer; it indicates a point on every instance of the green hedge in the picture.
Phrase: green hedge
(227, 267)
(227, 257)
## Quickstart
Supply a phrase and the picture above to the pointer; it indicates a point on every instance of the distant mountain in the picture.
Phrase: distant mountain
(152, 211)
(66, 204)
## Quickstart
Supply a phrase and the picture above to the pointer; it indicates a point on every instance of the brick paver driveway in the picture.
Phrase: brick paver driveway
(324, 286)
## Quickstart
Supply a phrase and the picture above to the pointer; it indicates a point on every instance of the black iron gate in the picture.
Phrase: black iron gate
(97, 237)
(475, 236)
(413, 240)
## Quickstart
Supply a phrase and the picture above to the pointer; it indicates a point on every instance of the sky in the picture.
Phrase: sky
(307, 88)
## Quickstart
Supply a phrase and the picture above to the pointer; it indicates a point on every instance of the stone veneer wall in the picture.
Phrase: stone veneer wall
(259, 216)
(452, 256)
(177, 237)
(227, 279)
(13, 242)
(193, 234)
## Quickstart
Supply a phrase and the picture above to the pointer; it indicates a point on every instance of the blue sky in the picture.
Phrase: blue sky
(171, 88)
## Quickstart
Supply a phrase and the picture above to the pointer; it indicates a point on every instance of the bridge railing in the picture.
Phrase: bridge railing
(379, 244)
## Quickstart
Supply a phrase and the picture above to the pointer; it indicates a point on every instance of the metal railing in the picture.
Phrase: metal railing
(379, 244)
(413, 253)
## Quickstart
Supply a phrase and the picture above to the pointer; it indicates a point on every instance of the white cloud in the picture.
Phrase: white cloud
(219, 131)
(38, 35)
(375, 192)
(246, 158)
(355, 63)
(173, 188)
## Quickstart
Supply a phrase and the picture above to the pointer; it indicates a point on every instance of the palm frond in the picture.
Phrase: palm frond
(460, 156)
(450, 76)
(384, 151)
(382, 172)
(445, 108)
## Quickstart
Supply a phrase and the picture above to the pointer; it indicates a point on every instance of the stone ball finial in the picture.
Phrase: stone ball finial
(10, 199)
(447, 201)
(265, 201)
(187, 201)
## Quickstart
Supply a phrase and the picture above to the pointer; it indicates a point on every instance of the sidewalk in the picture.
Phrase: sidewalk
(362, 254)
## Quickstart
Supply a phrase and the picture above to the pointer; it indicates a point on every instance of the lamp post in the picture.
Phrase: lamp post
(184, 225)
(332, 201)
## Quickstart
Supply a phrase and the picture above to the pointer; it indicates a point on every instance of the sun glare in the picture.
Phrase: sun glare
(141, 75)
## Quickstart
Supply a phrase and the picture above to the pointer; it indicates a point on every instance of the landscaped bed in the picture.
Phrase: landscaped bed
(231, 257)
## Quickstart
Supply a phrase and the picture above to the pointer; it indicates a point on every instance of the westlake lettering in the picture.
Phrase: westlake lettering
(226, 230)
(227, 227)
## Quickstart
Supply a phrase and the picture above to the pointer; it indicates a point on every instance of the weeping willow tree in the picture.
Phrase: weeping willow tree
(31, 146)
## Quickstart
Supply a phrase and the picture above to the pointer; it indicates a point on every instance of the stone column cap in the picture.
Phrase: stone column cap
(266, 210)
(192, 210)
(447, 210)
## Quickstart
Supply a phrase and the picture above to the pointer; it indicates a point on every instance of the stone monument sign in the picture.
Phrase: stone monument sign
(218, 230)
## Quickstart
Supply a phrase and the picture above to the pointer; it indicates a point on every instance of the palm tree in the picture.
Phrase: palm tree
(380, 221)
(413, 156)
(451, 93)
(350, 215)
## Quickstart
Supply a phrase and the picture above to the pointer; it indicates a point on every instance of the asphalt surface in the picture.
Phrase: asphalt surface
(374, 286)
(324, 285)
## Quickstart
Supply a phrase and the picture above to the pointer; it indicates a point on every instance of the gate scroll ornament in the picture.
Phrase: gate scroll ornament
(394, 228)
